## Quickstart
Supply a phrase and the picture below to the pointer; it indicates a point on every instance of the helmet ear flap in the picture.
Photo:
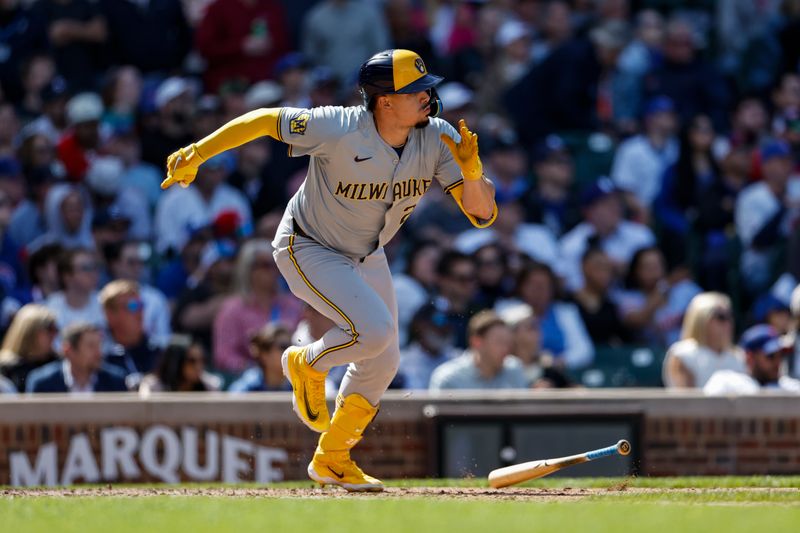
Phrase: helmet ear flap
(436, 103)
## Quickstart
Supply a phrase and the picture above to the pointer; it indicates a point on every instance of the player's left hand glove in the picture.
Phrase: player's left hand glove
(466, 152)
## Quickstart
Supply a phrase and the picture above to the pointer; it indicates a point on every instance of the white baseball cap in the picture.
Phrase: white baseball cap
(84, 107)
(263, 94)
(510, 31)
(170, 89)
(455, 95)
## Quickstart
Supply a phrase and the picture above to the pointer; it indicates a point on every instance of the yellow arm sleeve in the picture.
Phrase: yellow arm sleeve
(239, 131)
(456, 190)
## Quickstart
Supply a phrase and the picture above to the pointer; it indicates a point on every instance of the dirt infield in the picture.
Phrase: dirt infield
(474, 493)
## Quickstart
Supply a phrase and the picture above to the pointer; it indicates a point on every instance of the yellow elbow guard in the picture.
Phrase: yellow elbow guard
(239, 131)
(456, 190)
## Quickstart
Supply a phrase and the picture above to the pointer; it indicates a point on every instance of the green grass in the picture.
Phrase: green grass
(703, 510)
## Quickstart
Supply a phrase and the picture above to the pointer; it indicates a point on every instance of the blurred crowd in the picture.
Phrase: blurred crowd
(646, 156)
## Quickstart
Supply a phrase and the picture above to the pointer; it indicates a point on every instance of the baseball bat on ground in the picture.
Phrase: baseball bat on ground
(511, 475)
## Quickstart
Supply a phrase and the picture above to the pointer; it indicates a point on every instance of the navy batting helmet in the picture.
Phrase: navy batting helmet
(398, 72)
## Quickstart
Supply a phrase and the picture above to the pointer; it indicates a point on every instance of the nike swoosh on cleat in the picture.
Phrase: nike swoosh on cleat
(359, 160)
(337, 474)
(311, 414)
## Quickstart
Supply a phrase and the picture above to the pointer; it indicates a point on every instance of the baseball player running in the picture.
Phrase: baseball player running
(369, 167)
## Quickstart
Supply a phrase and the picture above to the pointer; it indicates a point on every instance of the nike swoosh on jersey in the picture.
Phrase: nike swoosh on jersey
(311, 414)
(360, 159)
(337, 474)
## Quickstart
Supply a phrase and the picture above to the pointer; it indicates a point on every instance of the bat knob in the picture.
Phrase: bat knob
(624, 447)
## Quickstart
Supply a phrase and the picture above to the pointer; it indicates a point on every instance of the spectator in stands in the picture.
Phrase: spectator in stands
(575, 88)
(494, 280)
(175, 276)
(180, 369)
(765, 214)
(82, 370)
(172, 124)
(129, 347)
(79, 144)
(550, 202)
(12, 278)
(786, 102)
(415, 286)
(599, 311)
(68, 215)
(109, 193)
(291, 72)
(794, 362)
(6, 387)
(39, 167)
(242, 39)
(515, 235)
(555, 29)
(128, 261)
(257, 301)
(430, 346)
(153, 36)
(487, 364)
(640, 161)
(79, 275)
(685, 185)
(180, 208)
(456, 285)
(28, 344)
(266, 347)
(341, 33)
(771, 311)
(37, 73)
(43, 271)
(53, 96)
(9, 128)
(208, 288)
(18, 43)
(604, 224)
(692, 83)
(652, 303)
(137, 174)
(750, 122)
(76, 32)
(645, 52)
(764, 352)
(706, 344)
(714, 223)
(538, 365)
(563, 332)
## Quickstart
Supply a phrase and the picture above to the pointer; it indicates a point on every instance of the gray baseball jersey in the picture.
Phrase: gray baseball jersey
(358, 191)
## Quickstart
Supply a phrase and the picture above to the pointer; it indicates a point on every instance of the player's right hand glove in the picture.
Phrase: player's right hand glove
(182, 167)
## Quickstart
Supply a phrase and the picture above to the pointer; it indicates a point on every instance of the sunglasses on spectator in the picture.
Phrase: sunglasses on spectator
(195, 360)
(86, 267)
(51, 328)
(722, 316)
(134, 306)
(463, 278)
(263, 264)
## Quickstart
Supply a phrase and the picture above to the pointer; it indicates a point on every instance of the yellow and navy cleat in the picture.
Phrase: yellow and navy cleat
(336, 468)
(308, 386)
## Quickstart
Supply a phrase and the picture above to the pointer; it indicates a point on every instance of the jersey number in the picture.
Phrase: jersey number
(407, 213)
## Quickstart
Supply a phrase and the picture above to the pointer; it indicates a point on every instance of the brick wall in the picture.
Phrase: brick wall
(722, 446)
(679, 435)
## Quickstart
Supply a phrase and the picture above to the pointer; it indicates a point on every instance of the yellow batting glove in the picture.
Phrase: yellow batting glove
(466, 152)
(182, 167)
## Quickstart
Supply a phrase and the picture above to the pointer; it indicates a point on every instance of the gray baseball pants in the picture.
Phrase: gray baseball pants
(358, 296)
